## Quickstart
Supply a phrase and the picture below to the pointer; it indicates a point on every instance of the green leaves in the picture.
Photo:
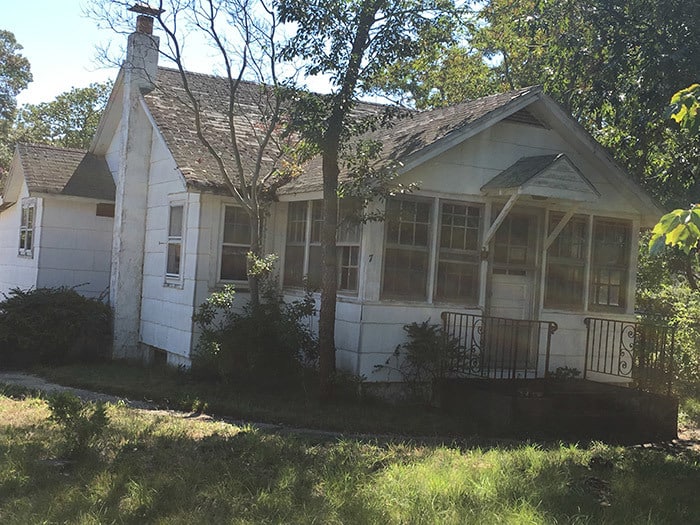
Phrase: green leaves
(685, 108)
(680, 228)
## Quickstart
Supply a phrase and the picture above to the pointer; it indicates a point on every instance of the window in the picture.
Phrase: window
(26, 229)
(235, 245)
(566, 264)
(610, 263)
(458, 256)
(407, 256)
(407, 253)
(303, 247)
(513, 245)
(174, 250)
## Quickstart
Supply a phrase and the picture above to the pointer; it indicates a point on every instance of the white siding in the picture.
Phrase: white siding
(75, 246)
(17, 271)
(167, 306)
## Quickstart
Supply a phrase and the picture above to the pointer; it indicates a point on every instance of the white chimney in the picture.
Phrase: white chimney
(142, 49)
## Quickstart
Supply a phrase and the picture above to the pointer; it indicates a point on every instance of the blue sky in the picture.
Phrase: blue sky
(60, 44)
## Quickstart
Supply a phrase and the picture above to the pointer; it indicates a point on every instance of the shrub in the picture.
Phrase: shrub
(428, 355)
(52, 326)
(268, 345)
(81, 423)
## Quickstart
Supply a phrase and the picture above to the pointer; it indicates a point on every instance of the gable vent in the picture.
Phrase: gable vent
(525, 117)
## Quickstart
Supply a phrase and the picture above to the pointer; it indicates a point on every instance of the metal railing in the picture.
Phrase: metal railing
(497, 347)
(640, 352)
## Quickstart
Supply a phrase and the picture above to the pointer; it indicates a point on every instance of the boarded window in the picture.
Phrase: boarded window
(104, 209)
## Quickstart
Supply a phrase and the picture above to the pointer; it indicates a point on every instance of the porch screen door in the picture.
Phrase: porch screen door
(511, 344)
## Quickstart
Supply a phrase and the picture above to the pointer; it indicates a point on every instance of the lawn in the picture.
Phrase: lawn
(151, 467)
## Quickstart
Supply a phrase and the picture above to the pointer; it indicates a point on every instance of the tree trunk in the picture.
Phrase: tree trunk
(329, 279)
(254, 280)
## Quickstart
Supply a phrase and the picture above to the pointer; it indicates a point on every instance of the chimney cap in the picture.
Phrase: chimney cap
(145, 9)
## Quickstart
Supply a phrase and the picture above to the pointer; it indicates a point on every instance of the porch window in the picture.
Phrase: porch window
(610, 263)
(235, 244)
(26, 229)
(174, 243)
(407, 252)
(566, 264)
(458, 256)
(303, 247)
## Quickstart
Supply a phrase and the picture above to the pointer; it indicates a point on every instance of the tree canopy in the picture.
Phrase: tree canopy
(15, 75)
(69, 121)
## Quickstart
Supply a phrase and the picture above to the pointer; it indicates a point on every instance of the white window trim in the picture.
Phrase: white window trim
(436, 203)
(307, 250)
(171, 279)
(240, 283)
(26, 204)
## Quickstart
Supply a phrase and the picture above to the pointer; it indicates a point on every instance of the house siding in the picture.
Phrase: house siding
(167, 304)
(75, 246)
(17, 271)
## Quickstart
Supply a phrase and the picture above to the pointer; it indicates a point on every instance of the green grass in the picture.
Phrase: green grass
(297, 407)
(160, 468)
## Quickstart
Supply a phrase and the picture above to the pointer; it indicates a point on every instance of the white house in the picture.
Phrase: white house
(56, 210)
(520, 215)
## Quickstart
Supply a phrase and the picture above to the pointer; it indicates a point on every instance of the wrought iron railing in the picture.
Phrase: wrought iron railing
(497, 347)
(640, 352)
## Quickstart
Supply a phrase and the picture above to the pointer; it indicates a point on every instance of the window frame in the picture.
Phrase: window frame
(222, 243)
(437, 255)
(466, 256)
(27, 230)
(312, 241)
(175, 240)
(623, 267)
(582, 263)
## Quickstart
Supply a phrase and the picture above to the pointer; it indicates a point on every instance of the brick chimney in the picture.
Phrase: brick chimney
(142, 49)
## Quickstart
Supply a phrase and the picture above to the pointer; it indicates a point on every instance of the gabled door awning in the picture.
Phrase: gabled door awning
(544, 176)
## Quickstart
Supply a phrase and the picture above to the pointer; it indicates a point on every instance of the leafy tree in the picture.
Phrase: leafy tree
(15, 74)
(351, 41)
(244, 39)
(681, 228)
(69, 121)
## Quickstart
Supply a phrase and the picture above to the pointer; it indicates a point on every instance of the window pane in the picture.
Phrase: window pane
(294, 266)
(173, 263)
(296, 222)
(348, 258)
(175, 228)
(314, 276)
(349, 225)
(457, 281)
(233, 263)
(236, 226)
(316, 221)
(611, 246)
(405, 273)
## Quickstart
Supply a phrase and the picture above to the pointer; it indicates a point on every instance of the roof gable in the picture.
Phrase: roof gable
(543, 176)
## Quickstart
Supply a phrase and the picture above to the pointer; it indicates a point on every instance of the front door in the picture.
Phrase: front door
(512, 344)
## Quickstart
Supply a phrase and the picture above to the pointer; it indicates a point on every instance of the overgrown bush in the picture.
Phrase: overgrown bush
(268, 345)
(664, 295)
(81, 423)
(52, 326)
(428, 355)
